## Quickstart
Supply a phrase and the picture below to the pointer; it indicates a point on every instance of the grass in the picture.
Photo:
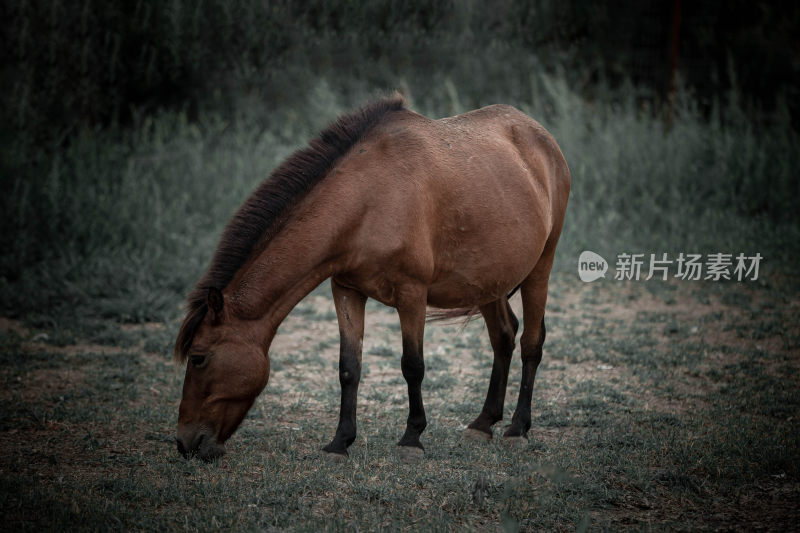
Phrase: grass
(120, 225)
(651, 426)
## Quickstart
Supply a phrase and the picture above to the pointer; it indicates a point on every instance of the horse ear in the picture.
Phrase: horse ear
(215, 301)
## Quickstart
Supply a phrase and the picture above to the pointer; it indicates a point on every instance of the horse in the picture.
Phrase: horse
(452, 214)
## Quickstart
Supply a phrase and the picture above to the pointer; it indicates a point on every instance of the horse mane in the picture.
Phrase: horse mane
(262, 214)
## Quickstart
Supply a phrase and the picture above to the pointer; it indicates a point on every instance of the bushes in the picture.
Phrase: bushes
(138, 127)
(83, 64)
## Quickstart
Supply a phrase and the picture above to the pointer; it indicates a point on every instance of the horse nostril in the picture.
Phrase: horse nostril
(181, 447)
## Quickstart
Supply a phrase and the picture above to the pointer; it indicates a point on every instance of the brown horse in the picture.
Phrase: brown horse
(453, 213)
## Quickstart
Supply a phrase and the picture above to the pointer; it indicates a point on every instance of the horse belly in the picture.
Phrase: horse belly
(494, 219)
(484, 264)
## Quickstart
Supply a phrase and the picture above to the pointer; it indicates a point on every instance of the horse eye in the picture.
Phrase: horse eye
(198, 360)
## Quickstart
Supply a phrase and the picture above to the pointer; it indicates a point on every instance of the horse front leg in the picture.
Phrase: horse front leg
(411, 309)
(350, 314)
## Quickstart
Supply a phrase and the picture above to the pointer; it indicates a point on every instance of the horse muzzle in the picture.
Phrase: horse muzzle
(198, 443)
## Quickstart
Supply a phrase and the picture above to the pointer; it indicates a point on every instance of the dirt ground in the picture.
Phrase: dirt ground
(609, 344)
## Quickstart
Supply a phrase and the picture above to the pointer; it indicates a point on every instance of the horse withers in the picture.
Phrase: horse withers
(453, 214)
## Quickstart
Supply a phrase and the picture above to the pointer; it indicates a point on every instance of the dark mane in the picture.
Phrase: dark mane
(259, 217)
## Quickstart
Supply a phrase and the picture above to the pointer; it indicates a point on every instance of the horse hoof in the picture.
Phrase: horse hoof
(477, 435)
(516, 442)
(410, 454)
(332, 457)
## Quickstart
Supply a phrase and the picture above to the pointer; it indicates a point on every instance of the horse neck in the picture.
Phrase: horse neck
(295, 261)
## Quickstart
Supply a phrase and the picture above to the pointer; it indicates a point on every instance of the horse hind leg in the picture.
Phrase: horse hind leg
(502, 326)
(534, 298)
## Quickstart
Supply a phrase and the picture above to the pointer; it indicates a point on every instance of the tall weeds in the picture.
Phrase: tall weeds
(130, 218)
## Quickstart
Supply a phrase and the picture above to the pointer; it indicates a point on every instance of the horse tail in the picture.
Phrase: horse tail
(468, 313)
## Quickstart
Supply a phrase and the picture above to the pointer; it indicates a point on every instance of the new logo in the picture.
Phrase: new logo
(591, 266)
